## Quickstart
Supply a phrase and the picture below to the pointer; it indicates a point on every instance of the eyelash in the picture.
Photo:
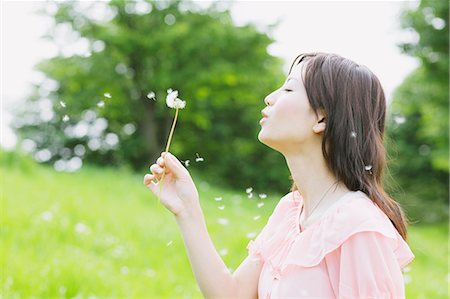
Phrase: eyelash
(288, 90)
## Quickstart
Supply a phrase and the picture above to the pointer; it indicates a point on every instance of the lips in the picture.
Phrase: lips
(264, 114)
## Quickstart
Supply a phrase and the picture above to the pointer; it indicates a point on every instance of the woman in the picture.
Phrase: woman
(337, 234)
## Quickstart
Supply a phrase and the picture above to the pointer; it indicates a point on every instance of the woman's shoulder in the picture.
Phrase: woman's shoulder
(355, 214)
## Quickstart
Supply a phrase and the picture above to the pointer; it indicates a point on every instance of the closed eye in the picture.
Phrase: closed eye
(287, 90)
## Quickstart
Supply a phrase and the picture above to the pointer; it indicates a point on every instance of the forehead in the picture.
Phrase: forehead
(298, 71)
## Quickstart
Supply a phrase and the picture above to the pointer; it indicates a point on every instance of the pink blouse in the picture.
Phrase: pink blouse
(352, 251)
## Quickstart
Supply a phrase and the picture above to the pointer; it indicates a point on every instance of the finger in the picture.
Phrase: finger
(175, 165)
(148, 182)
(160, 161)
(156, 171)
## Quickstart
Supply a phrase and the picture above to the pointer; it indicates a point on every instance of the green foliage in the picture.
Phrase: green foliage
(418, 122)
(97, 233)
(221, 70)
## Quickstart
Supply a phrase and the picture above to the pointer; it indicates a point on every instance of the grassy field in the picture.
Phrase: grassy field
(101, 233)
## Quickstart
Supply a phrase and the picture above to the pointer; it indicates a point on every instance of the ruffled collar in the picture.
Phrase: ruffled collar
(354, 212)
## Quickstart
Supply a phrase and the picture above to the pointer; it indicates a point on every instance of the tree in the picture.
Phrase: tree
(221, 70)
(419, 114)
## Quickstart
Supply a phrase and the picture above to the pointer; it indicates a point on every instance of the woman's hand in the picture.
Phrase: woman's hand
(178, 189)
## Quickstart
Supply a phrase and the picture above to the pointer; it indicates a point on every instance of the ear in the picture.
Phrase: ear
(319, 127)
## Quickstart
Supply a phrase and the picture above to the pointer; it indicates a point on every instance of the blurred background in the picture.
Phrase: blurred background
(83, 116)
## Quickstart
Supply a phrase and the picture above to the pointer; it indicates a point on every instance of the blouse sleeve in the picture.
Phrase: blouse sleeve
(369, 268)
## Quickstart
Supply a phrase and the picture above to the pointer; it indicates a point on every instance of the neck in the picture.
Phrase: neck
(313, 178)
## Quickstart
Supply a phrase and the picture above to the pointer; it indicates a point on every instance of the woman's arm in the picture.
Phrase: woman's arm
(212, 275)
(179, 195)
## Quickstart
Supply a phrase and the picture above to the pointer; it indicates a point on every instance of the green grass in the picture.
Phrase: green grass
(120, 249)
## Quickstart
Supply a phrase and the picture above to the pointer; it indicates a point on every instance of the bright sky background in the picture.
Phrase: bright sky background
(364, 31)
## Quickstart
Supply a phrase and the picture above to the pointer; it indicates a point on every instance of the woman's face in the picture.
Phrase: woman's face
(291, 124)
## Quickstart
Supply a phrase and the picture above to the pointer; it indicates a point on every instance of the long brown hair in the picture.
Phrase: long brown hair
(354, 104)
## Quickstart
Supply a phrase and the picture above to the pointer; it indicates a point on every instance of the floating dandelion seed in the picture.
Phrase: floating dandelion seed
(124, 270)
(218, 198)
(186, 163)
(353, 134)
(198, 159)
(262, 195)
(399, 119)
(169, 243)
(256, 217)
(223, 252)
(81, 228)
(65, 118)
(250, 195)
(62, 104)
(248, 190)
(101, 104)
(251, 235)
(47, 216)
(151, 95)
(223, 221)
(221, 207)
(260, 204)
(107, 95)
(368, 168)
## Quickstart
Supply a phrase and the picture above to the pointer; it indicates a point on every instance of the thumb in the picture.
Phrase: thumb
(174, 165)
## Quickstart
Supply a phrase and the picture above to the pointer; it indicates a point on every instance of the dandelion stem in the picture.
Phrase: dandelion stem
(167, 149)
